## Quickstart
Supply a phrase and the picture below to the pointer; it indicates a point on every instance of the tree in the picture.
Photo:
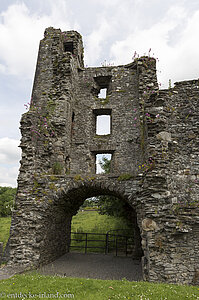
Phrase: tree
(7, 196)
(105, 164)
(90, 202)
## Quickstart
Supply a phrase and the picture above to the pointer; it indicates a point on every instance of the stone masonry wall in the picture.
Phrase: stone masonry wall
(154, 166)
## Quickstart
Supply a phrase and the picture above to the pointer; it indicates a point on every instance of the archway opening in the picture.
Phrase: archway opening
(103, 210)
(111, 260)
(67, 205)
(106, 224)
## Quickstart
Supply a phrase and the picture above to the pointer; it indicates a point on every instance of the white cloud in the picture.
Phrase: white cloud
(96, 40)
(9, 151)
(9, 161)
(8, 175)
(179, 59)
(17, 40)
(20, 32)
(170, 30)
(106, 3)
(2, 68)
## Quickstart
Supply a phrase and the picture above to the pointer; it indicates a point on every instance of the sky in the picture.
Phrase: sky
(112, 31)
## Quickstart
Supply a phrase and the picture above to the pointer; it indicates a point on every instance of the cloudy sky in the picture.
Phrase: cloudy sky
(112, 31)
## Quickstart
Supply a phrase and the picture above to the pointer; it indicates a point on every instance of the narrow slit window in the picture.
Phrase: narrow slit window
(103, 163)
(72, 124)
(73, 117)
(103, 124)
(102, 93)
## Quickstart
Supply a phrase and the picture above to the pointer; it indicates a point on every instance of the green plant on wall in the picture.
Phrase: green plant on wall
(103, 101)
(78, 177)
(124, 177)
(51, 105)
(42, 128)
(57, 168)
(142, 125)
(170, 88)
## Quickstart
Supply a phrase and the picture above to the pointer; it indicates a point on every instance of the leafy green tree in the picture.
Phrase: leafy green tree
(105, 164)
(7, 196)
(90, 202)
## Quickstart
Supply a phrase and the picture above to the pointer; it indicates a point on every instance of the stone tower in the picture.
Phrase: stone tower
(153, 142)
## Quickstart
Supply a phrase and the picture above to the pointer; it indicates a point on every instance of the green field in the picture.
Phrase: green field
(36, 286)
(93, 222)
(4, 229)
(84, 221)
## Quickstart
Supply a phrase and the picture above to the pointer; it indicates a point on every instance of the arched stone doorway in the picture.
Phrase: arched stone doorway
(71, 202)
(43, 232)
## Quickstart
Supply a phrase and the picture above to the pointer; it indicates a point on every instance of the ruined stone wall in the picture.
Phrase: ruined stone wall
(154, 166)
(183, 179)
(170, 187)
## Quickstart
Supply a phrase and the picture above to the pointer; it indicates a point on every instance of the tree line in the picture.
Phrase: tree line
(7, 196)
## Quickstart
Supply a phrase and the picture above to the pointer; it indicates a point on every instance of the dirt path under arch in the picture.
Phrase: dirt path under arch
(98, 266)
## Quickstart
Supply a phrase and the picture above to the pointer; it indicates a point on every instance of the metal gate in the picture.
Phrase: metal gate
(110, 242)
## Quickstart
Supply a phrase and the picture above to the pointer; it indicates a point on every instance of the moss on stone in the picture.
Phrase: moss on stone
(103, 101)
(121, 91)
(78, 177)
(124, 177)
(53, 178)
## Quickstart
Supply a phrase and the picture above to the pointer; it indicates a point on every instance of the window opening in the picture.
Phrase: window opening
(102, 121)
(68, 47)
(103, 124)
(121, 236)
(103, 163)
(73, 117)
(102, 93)
(103, 86)
(73, 123)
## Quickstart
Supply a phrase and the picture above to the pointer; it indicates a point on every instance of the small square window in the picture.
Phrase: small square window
(68, 47)
(103, 163)
(102, 121)
(103, 125)
(102, 93)
(103, 86)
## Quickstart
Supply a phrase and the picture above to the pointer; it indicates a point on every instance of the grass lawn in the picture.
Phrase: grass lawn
(4, 229)
(37, 286)
(92, 221)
